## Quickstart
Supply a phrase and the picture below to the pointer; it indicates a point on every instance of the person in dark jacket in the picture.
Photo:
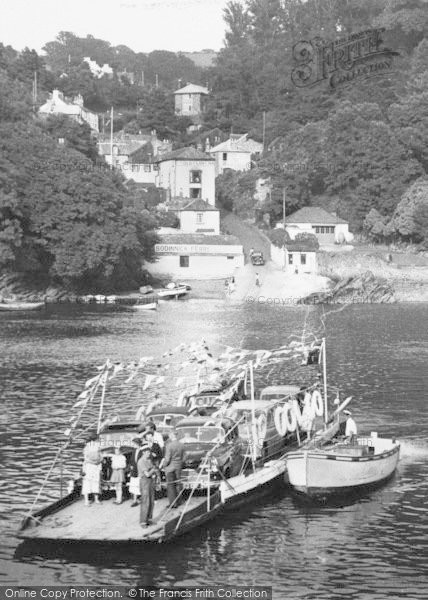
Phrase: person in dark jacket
(134, 481)
(172, 464)
(146, 473)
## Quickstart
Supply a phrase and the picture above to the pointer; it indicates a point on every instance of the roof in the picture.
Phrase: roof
(300, 246)
(188, 153)
(281, 390)
(202, 421)
(200, 238)
(126, 148)
(238, 143)
(199, 205)
(248, 405)
(191, 88)
(168, 410)
(314, 215)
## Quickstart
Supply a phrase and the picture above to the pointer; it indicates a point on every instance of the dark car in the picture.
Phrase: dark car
(208, 401)
(212, 447)
(257, 259)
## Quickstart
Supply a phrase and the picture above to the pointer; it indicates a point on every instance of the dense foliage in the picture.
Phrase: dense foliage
(63, 214)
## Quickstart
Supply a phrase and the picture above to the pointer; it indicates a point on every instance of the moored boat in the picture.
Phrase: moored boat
(146, 306)
(341, 468)
(173, 290)
(16, 305)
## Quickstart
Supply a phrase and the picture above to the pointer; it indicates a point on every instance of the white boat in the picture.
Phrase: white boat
(147, 306)
(173, 292)
(13, 306)
(343, 467)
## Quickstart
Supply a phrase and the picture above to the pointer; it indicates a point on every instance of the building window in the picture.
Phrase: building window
(230, 257)
(184, 261)
(195, 176)
(147, 168)
(224, 155)
(302, 258)
(195, 193)
(199, 218)
(317, 229)
(290, 259)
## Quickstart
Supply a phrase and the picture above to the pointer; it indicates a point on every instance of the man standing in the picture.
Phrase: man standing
(351, 426)
(172, 465)
(146, 473)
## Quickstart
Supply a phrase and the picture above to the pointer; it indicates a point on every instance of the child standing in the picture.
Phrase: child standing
(118, 465)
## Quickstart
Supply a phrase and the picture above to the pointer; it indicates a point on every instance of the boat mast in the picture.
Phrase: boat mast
(253, 414)
(103, 393)
(324, 368)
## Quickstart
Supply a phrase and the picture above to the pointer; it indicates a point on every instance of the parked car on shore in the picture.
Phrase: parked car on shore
(257, 259)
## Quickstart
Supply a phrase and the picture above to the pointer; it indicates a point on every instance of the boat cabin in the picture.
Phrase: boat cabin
(167, 417)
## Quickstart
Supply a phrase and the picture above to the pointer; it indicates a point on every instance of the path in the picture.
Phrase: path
(276, 287)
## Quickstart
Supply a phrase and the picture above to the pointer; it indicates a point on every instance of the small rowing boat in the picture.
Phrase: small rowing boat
(146, 306)
(13, 306)
(343, 467)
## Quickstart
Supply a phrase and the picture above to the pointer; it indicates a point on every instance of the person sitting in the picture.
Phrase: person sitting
(134, 481)
(350, 428)
(91, 470)
(118, 465)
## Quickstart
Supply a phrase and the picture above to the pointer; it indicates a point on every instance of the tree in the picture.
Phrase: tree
(374, 225)
(410, 219)
(77, 135)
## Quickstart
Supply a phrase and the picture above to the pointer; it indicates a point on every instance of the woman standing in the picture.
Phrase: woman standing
(91, 470)
(118, 465)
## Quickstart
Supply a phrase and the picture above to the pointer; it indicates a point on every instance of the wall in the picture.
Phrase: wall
(238, 161)
(188, 104)
(175, 175)
(200, 266)
(323, 238)
(309, 267)
(210, 221)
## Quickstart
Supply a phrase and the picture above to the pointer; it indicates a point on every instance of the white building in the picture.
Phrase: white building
(57, 104)
(235, 153)
(187, 173)
(199, 217)
(295, 257)
(328, 228)
(190, 100)
(197, 256)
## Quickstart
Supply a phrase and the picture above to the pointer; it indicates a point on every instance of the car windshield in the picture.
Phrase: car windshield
(188, 435)
(168, 420)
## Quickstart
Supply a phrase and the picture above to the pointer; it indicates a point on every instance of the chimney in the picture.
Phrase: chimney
(207, 145)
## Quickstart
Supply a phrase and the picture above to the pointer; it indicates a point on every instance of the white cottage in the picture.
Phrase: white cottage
(187, 173)
(235, 153)
(298, 257)
(328, 228)
(57, 104)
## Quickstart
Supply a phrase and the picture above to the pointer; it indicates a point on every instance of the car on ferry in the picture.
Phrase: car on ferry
(167, 417)
(212, 446)
(209, 400)
(275, 393)
(256, 420)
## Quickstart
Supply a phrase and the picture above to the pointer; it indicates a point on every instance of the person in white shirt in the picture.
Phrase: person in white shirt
(157, 437)
(351, 426)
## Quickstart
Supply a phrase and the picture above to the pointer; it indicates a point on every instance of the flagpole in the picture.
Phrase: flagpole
(111, 138)
(324, 367)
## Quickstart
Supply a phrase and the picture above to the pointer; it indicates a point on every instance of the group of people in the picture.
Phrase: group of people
(151, 455)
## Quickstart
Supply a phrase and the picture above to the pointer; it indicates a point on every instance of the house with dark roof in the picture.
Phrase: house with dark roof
(296, 257)
(327, 227)
(187, 173)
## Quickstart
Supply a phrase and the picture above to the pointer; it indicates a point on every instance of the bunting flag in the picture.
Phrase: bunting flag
(91, 381)
(179, 381)
(148, 381)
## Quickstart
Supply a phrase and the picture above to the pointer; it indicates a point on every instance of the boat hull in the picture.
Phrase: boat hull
(322, 474)
(147, 306)
(16, 306)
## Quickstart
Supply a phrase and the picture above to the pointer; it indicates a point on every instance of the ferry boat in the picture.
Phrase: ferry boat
(20, 306)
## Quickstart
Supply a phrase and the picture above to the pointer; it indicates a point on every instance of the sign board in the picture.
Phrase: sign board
(197, 249)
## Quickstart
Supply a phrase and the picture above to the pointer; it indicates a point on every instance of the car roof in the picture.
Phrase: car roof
(203, 421)
(281, 390)
(248, 405)
(166, 410)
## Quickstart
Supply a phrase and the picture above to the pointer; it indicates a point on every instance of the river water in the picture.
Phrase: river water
(374, 547)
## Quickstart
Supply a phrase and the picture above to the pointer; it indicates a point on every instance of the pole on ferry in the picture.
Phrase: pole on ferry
(324, 368)
(111, 138)
(103, 393)
(253, 414)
